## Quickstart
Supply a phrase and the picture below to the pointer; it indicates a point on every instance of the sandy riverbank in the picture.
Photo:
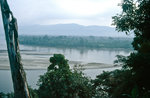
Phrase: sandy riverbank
(33, 60)
(32, 65)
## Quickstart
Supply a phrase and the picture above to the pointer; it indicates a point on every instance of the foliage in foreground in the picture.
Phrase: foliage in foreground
(133, 80)
(60, 82)
(114, 84)
(129, 82)
(8, 95)
(135, 17)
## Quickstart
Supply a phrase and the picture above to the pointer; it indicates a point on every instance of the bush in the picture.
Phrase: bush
(60, 82)
(8, 95)
(114, 84)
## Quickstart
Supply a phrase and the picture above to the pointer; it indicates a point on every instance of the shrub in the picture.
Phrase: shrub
(60, 82)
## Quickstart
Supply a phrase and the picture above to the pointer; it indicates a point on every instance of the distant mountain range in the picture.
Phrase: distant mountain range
(70, 30)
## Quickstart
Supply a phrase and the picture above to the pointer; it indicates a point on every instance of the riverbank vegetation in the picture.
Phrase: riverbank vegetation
(77, 41)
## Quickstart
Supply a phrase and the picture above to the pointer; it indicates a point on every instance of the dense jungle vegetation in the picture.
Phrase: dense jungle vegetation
(77, 41)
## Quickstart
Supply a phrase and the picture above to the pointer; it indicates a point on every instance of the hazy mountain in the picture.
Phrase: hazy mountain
(70, 29)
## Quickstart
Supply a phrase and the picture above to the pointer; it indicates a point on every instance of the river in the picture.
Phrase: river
(36, 60)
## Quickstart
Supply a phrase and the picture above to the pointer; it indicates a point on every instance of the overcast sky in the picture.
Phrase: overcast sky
(45, 12)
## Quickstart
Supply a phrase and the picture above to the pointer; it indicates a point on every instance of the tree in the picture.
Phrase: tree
(11, 33)
(135, 17)
(60, 82)
(113, 84)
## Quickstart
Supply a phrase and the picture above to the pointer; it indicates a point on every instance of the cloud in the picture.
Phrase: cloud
(86, 12)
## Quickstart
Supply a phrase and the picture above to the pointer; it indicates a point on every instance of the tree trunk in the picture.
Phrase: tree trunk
(11, 35)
